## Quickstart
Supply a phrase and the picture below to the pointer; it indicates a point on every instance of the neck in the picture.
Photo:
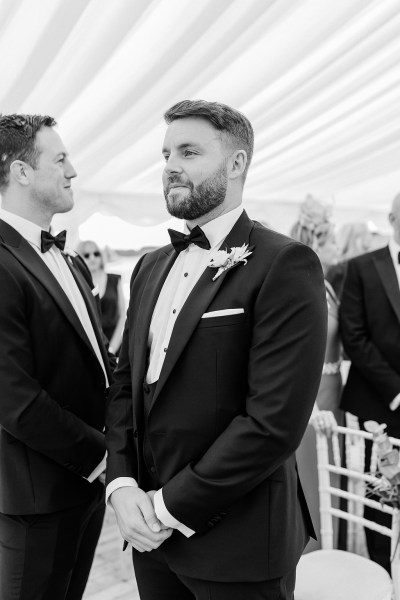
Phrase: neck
(26, 211)
(220, 210)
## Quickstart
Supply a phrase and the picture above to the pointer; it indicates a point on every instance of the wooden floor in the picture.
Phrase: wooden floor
(112, 576)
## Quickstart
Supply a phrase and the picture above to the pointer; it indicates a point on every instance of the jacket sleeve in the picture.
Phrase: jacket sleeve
(121, 449)
(284, 369)
(27, 411)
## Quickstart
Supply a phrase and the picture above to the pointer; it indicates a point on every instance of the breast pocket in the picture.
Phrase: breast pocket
(222, 320)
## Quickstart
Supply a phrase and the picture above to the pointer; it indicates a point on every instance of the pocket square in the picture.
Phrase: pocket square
(222, 313)
(95, 290)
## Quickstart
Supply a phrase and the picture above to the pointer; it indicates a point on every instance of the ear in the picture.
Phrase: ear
(19, 171)
(391, 218)
(237, 164)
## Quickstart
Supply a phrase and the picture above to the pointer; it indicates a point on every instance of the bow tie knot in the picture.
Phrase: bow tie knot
(181, 241)
(47, 240)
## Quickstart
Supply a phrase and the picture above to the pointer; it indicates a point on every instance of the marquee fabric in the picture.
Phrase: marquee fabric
(320, 81)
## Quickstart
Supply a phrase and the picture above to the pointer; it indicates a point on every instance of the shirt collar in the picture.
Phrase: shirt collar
(217, 229)
(30, 231)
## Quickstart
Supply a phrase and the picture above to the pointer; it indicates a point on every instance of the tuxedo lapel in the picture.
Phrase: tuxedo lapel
(92, 309)
(145, 309)
(199, 299)
(386, 271)
(28, 258)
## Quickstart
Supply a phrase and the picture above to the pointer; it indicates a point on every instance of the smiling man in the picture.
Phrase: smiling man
(219, 368)
(54, 371)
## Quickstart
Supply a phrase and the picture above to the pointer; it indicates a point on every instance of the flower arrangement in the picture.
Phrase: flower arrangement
(226, 259)
(386, 461)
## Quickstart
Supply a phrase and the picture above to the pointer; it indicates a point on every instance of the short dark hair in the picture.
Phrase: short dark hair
(222, 117)
(17, 141)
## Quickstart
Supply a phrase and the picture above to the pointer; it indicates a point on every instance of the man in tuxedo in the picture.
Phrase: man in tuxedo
(219, 368)
(370, 330)
(54, 372)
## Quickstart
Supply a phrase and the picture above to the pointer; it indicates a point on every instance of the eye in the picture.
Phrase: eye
(189, 153)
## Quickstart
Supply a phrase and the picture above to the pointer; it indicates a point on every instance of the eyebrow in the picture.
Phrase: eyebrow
(183, 146)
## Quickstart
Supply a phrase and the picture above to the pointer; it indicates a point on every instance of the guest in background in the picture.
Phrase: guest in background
(352, 239)
(315, 229)
(370, 330)
(112, 300)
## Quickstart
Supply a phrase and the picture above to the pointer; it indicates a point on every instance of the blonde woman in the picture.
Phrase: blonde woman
(315, 229)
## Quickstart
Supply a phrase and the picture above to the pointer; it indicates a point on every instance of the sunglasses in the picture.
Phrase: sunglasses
(96, 253)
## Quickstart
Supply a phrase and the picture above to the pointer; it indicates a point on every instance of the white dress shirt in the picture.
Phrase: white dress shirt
(180, 281)
(394, 249)
(56, 263)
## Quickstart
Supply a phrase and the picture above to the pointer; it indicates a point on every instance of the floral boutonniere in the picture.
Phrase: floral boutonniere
(69, 254)
(226, 259)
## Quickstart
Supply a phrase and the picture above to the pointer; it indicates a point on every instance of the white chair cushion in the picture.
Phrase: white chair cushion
(339, 575)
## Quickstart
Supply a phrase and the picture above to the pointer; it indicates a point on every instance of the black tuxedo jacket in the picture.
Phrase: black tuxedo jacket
(370, 330)
(231, 405)
(52, 387)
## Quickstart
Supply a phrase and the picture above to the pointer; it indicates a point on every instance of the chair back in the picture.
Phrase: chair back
(329, 461)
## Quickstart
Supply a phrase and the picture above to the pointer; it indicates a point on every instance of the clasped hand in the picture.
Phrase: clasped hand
(137, 520)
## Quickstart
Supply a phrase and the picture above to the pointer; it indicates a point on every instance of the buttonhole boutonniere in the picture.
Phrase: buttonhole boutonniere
(69, 254)
(226, 259)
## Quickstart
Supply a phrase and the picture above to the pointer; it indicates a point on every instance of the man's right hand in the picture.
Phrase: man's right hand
(137, 520)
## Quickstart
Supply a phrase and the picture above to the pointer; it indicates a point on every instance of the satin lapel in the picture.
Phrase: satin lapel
(91, 307)
(27, 257)
(145, 309)
(199, 299)
(384, 266)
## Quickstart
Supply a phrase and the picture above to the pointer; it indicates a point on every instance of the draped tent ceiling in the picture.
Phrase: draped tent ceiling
(319, 79)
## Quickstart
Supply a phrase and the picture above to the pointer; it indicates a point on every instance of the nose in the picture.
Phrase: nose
(172, 166)
(69, 172)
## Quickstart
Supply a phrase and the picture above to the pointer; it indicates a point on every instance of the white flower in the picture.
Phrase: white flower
(226, 259)
(69, 254)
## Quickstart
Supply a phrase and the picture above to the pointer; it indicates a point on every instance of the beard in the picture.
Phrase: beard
(199, 200)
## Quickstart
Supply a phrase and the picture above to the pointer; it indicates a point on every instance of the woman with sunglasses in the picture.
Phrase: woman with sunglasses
(110, 290)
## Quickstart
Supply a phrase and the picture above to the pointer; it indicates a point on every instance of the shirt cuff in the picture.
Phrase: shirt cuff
(395, 403)
(98, 470)
(166, 518)
(117, 483)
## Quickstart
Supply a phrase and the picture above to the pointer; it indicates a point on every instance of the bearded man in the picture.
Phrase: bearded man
(219, 368)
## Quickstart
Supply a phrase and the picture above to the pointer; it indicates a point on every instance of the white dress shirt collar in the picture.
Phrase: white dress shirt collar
(30, 231)
(218, 228)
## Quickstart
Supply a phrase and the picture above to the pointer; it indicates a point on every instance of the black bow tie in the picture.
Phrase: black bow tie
(47, 240)
(180, 241)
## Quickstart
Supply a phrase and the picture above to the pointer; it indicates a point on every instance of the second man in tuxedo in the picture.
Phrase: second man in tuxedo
(54, 372)
(370, 330)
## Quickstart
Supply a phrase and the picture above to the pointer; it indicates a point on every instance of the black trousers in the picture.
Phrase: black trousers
(157, 582)
(48, 557)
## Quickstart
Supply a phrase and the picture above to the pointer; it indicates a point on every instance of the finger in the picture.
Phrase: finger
(150, 517)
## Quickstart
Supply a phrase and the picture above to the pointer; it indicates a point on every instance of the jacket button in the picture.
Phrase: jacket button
(153, 469)
(135, 433)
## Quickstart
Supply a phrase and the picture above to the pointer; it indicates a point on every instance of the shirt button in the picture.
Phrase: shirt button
(165, 349)
(174, 311)
(185, 274)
